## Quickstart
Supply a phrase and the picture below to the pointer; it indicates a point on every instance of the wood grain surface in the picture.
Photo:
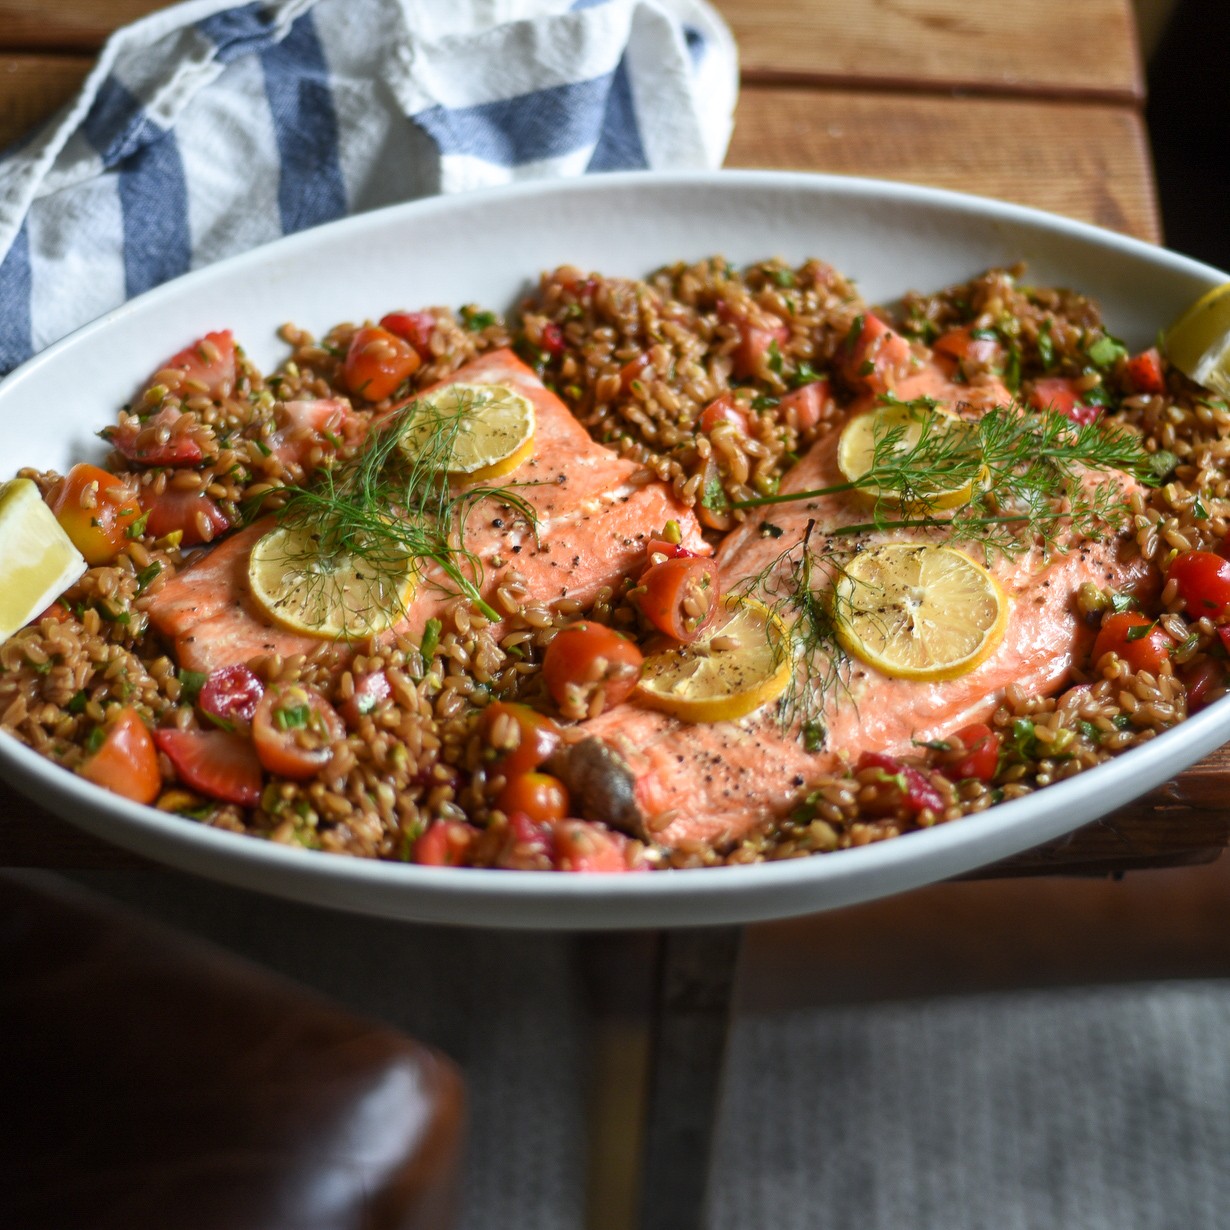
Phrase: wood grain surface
(1039, 47)
(1099, 170)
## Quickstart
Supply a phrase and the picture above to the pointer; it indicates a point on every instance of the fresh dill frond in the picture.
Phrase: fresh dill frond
(1027, 473)
(389, 503)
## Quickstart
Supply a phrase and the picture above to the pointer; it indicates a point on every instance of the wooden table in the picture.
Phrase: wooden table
(1038, 103)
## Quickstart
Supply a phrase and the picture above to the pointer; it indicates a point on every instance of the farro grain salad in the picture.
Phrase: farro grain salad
(720, 566)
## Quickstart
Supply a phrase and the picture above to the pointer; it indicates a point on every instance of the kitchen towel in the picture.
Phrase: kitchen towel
(209, 128)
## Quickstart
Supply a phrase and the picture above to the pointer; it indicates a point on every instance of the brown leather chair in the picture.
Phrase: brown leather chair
(149, 1080)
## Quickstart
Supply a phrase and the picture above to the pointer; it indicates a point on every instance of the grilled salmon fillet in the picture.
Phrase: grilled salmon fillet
(594, 511)
(670, 781)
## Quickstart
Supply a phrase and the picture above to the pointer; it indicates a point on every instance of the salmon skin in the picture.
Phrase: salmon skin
(670, 782)
(593, 510)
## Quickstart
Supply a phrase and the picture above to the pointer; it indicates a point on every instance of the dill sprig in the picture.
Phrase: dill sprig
(389, 506)
(1026, 471)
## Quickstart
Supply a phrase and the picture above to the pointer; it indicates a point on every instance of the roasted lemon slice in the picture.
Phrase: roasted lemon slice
(1198, 343)
(904, 424)
(329, 594)
(487, 430)
(741, 663)
(915, 611)
(38, 561)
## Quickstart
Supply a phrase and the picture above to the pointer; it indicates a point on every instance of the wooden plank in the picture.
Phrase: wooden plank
(1044, 47)
(32, 87)
(67, 25)
(1086, 160)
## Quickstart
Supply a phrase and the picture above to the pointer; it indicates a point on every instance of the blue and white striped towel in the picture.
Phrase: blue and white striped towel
(207, 129)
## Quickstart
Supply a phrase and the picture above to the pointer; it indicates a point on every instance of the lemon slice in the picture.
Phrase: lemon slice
(38, 561)
(493, 433)
(915, 611)
(741, 663)
(857, 446)
(1198, 343)
(326, 595)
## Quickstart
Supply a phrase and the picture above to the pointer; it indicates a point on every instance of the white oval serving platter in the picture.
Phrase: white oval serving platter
(488, 248)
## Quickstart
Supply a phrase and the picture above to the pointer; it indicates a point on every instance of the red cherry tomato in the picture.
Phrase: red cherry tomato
(231, 694)
(520, 738)
(1135, 639)
(911, 790)
(194, 515)
(1200, 679)
(633, 370)
(551, 339)
(446, 843)
(538, 795)
(724, 410)
(1145, 371)
(1059, 393)
(205, 366)
(582, 845)
(369, 691)
(961, 345)
(588, 659)
(294, 730)
(758, 338)
(876, 356)
(1203, 579)
(165, 439)
(126, 762)
(680, 596)
(981, 756)
(215, 762)
(413, 327)
(377, 363)
(94, 509)
(807, 404)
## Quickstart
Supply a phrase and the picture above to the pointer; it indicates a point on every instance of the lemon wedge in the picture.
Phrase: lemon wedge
(38, 561)
(494, 432)
(915, 611)
(330, 596)
(1198, 343)
(741, 663)
(856, 448)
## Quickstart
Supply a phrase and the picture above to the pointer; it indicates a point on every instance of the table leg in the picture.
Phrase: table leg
(691, 1023)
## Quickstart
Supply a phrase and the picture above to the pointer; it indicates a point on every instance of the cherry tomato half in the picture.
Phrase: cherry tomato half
(215, 762)
(520, 738)
(1203, 579)
(1059, 393)
(909, 787)
(680, 596)
(1145, 371)
(1135, 639)
(294, 730)
(538, 795)
(94, 509)
(582, 845)
(981, 756)
(413, 327)
(1199, 680)
(586, 660)
(231, 694)
(723, 409)
(446, 843)
(377, 362)
(193, 515)
(126, 762)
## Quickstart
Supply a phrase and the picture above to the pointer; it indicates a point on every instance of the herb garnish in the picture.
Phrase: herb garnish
(387, 504)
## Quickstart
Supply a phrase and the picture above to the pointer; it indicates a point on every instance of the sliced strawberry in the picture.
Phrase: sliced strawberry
(215, 762)
(207, 366)
(183, 511)
(156, 442)
(446, 843)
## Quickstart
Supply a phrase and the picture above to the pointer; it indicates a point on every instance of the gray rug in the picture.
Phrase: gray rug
(1105, 1109)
